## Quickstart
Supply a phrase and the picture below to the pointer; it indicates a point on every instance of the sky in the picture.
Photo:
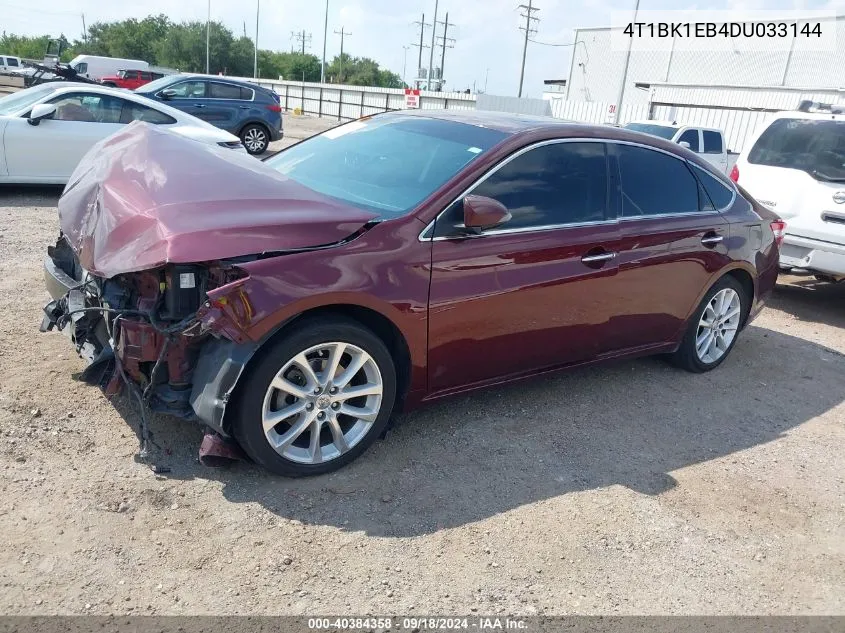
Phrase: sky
(487, 50)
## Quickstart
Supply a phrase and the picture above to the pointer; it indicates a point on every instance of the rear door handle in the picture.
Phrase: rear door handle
(712, 240)
(598, 257)
(199, 105)
(243, 107)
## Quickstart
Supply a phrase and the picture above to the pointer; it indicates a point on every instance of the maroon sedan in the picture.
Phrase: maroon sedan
(294, 305)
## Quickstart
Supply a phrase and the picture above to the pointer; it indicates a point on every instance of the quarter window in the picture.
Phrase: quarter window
(654, 183)
(691, 137)
(712, 142)
(716, 190)
(224, 91)
(559, 183)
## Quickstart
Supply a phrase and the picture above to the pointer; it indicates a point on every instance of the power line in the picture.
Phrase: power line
(302, 37)
(551, 43)
(445, 42)
(529, 30)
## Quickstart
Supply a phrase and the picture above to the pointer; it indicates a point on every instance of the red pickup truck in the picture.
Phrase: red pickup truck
(130, 79)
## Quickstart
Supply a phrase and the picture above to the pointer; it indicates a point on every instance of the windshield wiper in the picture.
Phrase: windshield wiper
(825, 177)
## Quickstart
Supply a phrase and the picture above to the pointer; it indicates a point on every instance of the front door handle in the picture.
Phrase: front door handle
(598, 257)
(712, 240)
(199, 105)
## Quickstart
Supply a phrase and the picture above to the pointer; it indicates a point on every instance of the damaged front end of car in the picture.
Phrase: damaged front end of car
(154, 333)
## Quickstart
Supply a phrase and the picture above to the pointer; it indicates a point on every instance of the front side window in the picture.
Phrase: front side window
(663, 131)
(816, 146)
(188, 90)
(11, 61)
(550, 185)
(691, 137)
(87, 108)
(712, 142)
(224, 91)
(387, 164)
(654, 183)
(81, 68)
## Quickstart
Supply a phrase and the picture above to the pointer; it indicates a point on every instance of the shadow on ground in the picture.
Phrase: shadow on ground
(30, 195)
(472, 457)
(810, 300)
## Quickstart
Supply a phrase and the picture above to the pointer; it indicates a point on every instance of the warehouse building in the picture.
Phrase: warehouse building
(736, 89)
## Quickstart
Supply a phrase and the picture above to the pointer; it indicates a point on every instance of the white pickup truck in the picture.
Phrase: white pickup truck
(796, 167)
(707, 142)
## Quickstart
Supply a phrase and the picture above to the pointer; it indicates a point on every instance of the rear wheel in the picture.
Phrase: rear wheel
(255, 138)
(713, 329)
(317, 399)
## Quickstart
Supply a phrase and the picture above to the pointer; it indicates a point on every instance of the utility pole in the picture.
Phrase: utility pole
(446, 42)
(624, 69)
(84, 30)
(486, 76)
(431, 52)
(529, 29)
(342, 32)
(422, 24)
(255, 61)
(325, 37)
(303, 38)
(405, 64)
(207, 39)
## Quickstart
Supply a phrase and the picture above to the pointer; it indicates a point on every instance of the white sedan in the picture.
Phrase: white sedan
(47, 129)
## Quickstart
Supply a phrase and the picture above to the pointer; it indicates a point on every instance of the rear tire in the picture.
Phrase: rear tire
(319, 425)
(713, 328)
(256, 138)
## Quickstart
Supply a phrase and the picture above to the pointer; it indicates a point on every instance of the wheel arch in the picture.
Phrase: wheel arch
(744, 275)
(372, 319)
(253, 121)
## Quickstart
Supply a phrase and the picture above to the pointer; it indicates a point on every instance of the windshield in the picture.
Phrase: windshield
(388, 164)
(22, 100)
(812, 145)
(155, 86)
(663, 131)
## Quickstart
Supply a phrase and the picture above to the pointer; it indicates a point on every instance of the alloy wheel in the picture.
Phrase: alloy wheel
(255, 140)
(322, 402)
(718, 326)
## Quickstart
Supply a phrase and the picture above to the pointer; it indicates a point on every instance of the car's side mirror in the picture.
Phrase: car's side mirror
(40, 112)
(685, 144)
(169, 93)
(482, 213)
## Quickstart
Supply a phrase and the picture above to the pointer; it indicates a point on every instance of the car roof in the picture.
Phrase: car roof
(220, 78)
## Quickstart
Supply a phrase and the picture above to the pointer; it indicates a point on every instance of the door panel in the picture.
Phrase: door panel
(51, 149)
(508, 304)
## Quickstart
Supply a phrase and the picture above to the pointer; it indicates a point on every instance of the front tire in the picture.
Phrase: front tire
(256, 138)
(713, 328)
(317, 398)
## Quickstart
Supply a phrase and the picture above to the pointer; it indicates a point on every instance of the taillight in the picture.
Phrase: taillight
(778, 228)
(274, 107)
(735, 173)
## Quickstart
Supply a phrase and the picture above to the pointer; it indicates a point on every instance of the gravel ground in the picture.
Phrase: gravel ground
(629, 488)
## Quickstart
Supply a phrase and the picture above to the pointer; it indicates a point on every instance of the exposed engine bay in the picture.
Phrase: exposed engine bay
(138, 330)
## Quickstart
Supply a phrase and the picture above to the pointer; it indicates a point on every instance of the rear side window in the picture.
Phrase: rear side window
(691, 137)
(654, 183)
(224, 91)
(712, 142)
(560, 183)
(718, 192)
(136, 112)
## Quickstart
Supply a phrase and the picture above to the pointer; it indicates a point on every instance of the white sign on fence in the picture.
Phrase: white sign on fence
(412, 98)
(610, 115)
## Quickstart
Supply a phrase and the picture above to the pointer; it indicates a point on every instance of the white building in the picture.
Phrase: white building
(735, 90)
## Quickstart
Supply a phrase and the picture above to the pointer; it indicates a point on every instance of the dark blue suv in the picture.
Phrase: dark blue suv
(245, 109)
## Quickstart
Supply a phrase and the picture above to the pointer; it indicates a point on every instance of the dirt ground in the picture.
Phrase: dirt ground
(630, 488)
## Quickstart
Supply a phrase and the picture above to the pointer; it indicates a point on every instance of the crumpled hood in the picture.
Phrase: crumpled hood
(146, 197)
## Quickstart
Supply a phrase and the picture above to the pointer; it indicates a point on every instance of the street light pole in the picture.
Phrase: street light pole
(405, 64)
(255, 63)
(325, 36)
(207, 39)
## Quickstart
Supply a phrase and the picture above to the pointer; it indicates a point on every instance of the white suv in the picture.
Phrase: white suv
(796, 168)
(707, 142)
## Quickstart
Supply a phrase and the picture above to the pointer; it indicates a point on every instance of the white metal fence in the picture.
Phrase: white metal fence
(345, 102)
(596, 111)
